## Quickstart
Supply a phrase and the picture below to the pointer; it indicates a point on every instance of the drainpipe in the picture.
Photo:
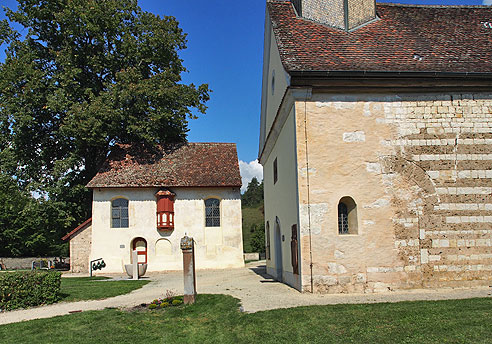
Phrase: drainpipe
(308, 198)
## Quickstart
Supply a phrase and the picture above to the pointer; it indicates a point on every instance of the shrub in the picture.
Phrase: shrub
(177, 302)
(164, 304)
(153, 306)
(258, 238)
(29, 289)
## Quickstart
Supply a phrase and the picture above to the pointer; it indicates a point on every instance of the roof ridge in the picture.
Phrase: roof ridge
(431, 6)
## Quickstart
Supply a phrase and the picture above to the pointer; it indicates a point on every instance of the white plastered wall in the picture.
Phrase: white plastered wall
(281, 198)
(215, 248)
(273, 92)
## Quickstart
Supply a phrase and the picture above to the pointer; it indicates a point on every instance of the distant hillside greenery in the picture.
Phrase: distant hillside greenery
(253, 217)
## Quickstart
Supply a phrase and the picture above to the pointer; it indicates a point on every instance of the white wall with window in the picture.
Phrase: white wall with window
(212, 216)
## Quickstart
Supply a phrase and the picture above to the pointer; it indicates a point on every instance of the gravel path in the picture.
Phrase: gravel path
(256, 290)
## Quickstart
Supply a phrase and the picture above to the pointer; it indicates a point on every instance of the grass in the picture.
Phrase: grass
(94, 288)
(250, 216)
(216, 319)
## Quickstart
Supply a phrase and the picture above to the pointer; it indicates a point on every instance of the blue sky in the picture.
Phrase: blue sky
(225, 50)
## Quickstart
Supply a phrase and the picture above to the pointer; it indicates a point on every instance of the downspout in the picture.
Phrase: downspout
(308, 199)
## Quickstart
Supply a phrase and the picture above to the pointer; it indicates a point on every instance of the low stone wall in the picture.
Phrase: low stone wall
(252, 256)
(24, 263)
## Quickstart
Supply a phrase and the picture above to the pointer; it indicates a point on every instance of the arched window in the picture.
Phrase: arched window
(267, 240)
(212, 212)
(119, 213)
(347, 216)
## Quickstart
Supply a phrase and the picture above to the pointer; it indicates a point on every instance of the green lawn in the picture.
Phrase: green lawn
(93, 288)
(250, 216)
(216, 319)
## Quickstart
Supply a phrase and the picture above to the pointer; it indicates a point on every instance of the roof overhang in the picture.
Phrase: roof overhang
(390, 79)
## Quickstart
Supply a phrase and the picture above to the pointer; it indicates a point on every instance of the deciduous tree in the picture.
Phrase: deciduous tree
(83, 76)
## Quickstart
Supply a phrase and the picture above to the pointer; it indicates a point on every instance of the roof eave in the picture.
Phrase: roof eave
(386, 74)
(161, 186)
(392, 79)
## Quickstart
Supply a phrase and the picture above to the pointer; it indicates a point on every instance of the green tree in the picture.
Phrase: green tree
(258, 237)
(253, 196)
(87, 74)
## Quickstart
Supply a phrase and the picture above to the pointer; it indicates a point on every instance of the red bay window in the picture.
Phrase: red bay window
(165, 210)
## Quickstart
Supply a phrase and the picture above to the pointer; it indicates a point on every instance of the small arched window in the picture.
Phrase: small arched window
(347, 216)
(119, 213)
(212, 212)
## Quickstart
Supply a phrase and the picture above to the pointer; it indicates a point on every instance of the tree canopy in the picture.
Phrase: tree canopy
(253, 196)
(83, 76)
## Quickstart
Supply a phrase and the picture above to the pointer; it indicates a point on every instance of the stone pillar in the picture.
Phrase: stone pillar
(135, 264)
(188, 248)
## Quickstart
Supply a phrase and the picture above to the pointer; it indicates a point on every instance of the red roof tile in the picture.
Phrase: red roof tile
(190, 164)
(447, 38)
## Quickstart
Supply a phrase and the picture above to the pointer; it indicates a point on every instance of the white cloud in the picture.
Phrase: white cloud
(487, 2)
(248, 171)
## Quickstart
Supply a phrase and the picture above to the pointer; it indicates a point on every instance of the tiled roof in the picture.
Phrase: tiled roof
(190, 164)
(405, 38)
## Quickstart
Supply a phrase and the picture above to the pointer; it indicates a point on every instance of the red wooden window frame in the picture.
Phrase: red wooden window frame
(165, 210)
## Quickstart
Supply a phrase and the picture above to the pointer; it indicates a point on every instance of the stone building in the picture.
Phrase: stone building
(376, 143)
(149, 201)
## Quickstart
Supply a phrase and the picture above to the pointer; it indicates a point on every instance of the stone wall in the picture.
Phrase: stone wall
(23, 263)
(419, 168)
(332, 12)
(329, 12)
(80, 250)
(360, 12)
(445, 143)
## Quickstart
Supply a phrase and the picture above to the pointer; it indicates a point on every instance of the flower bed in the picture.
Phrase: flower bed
(170, 300)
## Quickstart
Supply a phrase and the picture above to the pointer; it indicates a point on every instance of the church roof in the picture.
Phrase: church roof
(190, 164)
(404, 38)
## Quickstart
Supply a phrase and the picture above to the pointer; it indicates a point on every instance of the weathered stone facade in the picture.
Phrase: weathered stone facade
(382, 136)
(80, 250)
(341, 14)
(418, 167)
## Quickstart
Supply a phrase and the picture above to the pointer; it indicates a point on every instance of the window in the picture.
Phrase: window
(268, 240)
(347, 216)
(275, 171)
(165, 210)
(119, 213)
(212, 212)
(273, 82)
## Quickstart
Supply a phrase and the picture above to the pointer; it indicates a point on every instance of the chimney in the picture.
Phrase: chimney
(342, 14)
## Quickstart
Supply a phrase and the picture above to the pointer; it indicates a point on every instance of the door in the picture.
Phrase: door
(140, 245)
(278, 250)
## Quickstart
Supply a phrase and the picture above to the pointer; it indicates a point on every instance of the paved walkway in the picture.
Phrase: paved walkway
(256, 290)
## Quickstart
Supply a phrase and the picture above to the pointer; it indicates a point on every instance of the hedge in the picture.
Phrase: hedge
(28, 289)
